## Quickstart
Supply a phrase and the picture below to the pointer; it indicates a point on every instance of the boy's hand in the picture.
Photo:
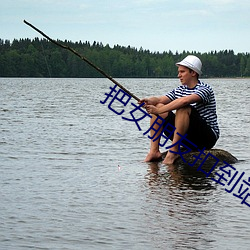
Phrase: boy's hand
(151, 109)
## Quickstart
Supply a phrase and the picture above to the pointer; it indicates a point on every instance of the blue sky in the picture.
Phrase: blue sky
(157, 25)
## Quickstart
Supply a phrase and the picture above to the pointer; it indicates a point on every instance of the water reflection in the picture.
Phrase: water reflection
(181, 176)
(183, 198)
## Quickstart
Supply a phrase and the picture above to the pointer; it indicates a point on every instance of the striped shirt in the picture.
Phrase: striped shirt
(206, 108)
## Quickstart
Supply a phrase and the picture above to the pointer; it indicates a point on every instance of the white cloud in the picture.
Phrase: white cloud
(221, 2)
(83, 6)
(152, 24)
(149, 2)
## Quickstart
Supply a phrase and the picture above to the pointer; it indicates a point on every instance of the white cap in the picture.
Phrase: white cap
(191, 62)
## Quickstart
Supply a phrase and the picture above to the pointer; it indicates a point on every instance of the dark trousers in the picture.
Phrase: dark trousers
(199, 133)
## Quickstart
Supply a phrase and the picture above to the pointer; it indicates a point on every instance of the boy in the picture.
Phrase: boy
(195, 115)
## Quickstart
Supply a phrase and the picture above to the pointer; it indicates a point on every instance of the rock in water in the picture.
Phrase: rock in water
(211, 154)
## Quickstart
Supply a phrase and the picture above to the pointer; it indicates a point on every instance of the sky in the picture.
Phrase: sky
(155, 25)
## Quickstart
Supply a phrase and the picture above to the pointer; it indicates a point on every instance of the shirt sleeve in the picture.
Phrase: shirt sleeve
(171, 95)
(205, 94)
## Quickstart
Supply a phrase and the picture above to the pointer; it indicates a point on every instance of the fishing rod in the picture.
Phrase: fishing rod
(84, 59)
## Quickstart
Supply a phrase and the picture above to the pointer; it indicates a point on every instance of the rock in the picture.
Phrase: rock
(183, 173)
(220, 154)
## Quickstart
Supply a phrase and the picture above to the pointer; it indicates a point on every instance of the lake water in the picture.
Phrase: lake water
(72, 174)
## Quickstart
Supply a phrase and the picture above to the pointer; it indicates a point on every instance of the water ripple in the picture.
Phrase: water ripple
(72, 175)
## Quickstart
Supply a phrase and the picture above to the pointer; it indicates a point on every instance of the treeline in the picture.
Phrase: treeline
(41, 58)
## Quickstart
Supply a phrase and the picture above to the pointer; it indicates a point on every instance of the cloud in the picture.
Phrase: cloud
(221, 2)
(224, 5)
(149, 2)
(83, 6)
(152, 24)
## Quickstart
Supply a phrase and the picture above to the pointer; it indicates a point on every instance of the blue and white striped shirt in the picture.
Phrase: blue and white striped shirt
(206, 108)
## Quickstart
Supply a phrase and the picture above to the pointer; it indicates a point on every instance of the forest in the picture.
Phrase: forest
(41, 58)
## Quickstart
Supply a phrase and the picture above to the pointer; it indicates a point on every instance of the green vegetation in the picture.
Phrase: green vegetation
(40, 58)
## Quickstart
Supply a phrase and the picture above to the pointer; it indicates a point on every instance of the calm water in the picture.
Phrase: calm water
(72, 175)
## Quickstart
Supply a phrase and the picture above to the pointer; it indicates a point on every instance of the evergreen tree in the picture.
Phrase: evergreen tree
(41, 58)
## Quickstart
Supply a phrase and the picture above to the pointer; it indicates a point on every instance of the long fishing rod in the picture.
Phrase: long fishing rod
(84, 59)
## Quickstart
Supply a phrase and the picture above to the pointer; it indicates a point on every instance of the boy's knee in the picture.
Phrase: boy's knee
(159, 105)
(184, 110)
